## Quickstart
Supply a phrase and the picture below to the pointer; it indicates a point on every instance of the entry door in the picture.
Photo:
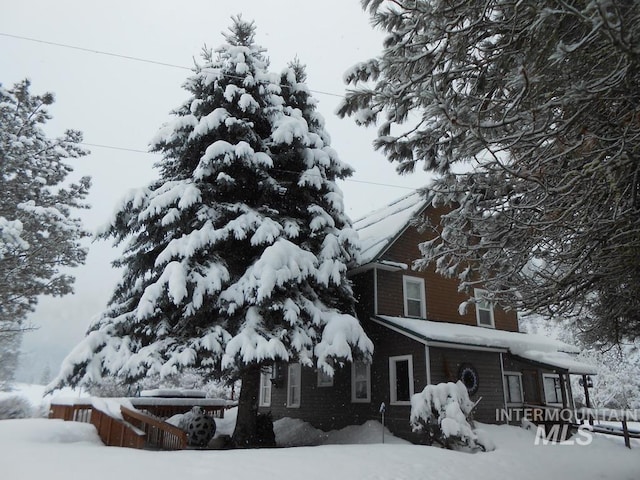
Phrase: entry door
(531, 387)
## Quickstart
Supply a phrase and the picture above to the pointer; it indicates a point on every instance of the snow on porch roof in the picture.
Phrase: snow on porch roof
(537, 348)
(378, 229)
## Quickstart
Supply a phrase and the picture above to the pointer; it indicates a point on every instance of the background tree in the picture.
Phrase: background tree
(529, 112)
(39, 237)
(236, 256)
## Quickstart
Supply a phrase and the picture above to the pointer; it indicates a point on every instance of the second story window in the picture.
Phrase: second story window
(414, 301)
(484, 309)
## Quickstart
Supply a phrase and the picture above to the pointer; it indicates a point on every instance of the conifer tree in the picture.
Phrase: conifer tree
(236, 256)
(38, 234)
(529, 115)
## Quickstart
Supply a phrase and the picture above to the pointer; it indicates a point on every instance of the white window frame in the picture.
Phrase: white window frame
(557, 393)
(393, 392)
(406, 279)
(506, 387)
(292, 401)
(325, 380)
(354, 399)
(479, 294)
(264, 397)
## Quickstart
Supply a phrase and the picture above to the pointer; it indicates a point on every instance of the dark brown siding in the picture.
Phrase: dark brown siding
(391, 344)
(326, 408)
(445, 364)
(363, 290)
(442, 295)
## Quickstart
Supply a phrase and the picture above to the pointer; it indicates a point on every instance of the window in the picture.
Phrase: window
(324, 380)
(401, 379)
(360, 382)
(513, 387)
(552, 389)
(414, 302)
(293, 385)
(266, 375)
(484, 309)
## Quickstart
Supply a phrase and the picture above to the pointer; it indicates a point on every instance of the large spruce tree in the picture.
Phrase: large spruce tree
(236, 256)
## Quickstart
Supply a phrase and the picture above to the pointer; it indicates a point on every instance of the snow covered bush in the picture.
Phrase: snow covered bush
(443, 413)
(15, 406)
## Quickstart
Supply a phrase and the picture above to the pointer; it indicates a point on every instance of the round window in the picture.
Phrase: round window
(469, 376)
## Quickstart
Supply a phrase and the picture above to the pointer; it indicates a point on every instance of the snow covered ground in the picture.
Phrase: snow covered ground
(56, 450)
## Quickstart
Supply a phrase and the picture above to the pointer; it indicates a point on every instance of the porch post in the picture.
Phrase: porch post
(563, 389)
(587, 399)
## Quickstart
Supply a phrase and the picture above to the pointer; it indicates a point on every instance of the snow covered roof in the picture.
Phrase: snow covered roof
(537, 348)
(378, 229)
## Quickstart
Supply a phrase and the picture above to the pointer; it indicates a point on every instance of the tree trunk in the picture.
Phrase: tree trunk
(245, 433)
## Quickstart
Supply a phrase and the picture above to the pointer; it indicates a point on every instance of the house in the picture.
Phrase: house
(421, 336)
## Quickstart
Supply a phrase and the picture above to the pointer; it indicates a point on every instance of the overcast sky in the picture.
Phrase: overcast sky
(120, 103)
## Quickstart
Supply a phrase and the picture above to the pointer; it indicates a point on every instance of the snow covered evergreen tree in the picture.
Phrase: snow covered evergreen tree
(38, 234)
(529, 112)
(236, 256)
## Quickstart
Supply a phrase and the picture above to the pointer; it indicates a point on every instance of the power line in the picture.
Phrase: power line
(135, 150)
(99, 52)
(165, 64)
(129, 57)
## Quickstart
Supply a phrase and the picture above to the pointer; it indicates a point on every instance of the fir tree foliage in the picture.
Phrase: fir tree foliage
(39, 237)
(529, 113)
(236, 256)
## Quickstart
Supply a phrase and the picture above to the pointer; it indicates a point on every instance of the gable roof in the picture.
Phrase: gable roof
(379, 229)
(535, 348)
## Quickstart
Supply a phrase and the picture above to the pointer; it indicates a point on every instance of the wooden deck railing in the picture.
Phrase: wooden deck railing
(79, 411)
(159, 434)
(140, 428)
(115, 432)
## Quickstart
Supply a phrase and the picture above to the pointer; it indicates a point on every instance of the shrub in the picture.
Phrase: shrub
(15, 406)
(443, 413)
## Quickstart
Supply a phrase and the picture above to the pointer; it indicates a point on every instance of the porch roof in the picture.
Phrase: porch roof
(534, 348)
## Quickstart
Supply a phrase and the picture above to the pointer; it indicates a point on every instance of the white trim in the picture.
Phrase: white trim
(393, 393)
(427, 357)
(504, 392)
(353, 382)
(544, 387)
(375, 291)
(506, 387)
(293, 402)
(264, 399)
(478, 293)
(382, 265)
(423, 301)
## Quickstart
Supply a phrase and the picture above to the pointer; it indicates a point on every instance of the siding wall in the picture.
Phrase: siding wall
(326, 408)
(390, 344)
(442, 296)
(445, 364)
